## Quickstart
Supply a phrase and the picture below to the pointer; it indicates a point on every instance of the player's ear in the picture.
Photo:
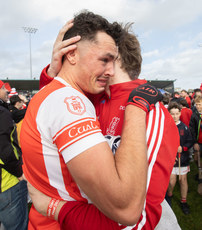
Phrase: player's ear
(71, 56)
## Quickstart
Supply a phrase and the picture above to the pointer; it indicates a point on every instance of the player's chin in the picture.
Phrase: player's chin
(100, 86)
(98, 90)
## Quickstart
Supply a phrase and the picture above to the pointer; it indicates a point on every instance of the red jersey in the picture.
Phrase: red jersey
(186, 116)
(188, 101)
(162, 142)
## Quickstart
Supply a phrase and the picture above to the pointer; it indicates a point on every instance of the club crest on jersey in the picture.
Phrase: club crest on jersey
(181, 132)
(75, 105)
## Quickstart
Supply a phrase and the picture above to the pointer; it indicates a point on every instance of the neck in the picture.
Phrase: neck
(68, 76)
(177, 122)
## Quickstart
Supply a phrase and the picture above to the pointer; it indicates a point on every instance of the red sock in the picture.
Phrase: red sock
(183, 200)
(169, 194)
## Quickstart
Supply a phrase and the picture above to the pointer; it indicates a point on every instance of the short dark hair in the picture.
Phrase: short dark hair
(14, 99)
(197, 90)
(175, 93)
(130, 52)
(174, 105)
(166, 99)
(183, 102)
(87, 24)
(183, 90)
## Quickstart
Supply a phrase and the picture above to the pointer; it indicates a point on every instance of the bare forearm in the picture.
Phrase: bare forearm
(125, 190)
(131, 160)
(131, 157)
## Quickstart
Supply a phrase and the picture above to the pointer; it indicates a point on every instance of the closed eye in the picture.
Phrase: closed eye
(105, 60)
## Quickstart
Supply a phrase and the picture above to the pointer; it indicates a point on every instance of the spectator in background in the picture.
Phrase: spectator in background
(12, 92)
(185, 117)
(13, 190)
(185, 112)
(181, 166)
(25, 101)
(185, 95)
(197, 92)
(166, 99)
(196, 131)
(175, 97)
(16, 108)
(190, 93)
(8, 87)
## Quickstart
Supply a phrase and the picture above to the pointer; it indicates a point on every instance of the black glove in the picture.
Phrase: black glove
(145, 97)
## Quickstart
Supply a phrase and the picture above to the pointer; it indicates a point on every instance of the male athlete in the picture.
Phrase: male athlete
(160, 127)
(65, 155)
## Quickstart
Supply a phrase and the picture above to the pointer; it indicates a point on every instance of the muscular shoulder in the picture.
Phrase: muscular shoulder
(67, 101)
(63, 108)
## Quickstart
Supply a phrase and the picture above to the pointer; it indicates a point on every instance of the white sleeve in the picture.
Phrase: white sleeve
(71, 124)
(82, 145)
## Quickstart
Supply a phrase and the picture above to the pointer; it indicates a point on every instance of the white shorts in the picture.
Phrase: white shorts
(168, 219)
(181, 170)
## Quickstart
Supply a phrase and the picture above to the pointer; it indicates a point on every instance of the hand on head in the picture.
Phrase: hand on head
(60, 48)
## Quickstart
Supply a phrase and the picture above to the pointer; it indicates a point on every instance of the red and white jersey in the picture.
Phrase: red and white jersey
(59, 124)
(162, 142)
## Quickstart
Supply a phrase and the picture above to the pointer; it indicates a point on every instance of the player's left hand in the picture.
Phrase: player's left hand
(145, 97)
(60, 48)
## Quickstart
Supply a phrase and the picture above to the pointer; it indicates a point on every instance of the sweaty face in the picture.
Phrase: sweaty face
(3, 94)
(175, 113)
(95, 64)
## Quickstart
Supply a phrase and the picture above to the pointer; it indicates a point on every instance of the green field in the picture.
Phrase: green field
(192, 221)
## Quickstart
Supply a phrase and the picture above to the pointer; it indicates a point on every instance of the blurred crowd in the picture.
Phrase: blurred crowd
(186, 110)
